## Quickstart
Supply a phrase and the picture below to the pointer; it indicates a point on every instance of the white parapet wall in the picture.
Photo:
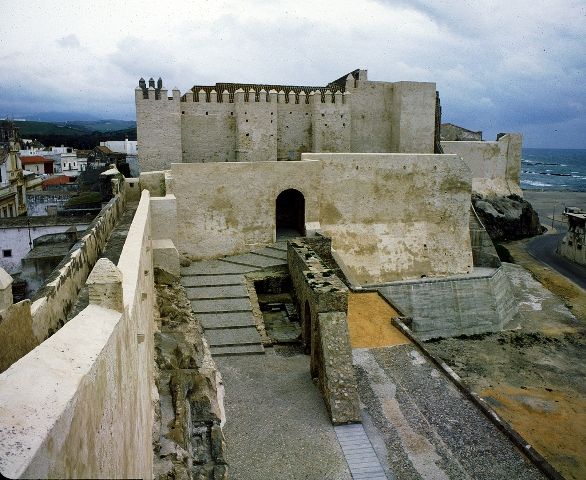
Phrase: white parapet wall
(79, 405)
(496, 166)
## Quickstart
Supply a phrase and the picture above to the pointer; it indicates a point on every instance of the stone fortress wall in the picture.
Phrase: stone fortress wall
(257, 122)
(232, 122)
(390, 216)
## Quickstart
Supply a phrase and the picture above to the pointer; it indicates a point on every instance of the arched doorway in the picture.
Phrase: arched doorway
(290, 214)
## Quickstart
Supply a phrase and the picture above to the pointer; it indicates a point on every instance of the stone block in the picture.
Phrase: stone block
(164, 215)
(105, 285)
(166, 257)
(5, 289)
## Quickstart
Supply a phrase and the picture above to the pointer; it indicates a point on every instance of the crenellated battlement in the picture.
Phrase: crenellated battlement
(226, 93)
(155, 91)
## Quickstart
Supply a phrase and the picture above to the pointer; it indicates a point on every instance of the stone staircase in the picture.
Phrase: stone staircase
(219, 299)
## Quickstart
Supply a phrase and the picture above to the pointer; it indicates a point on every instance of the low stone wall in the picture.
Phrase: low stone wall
(187, 438)
(79, 405)
(483, 251)
(52, 302)
(465, 305)
(323, 302)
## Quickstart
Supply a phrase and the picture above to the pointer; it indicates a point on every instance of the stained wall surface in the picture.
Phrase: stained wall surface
(226, 208)
(390, 216)
(396, 216)
(496, 166)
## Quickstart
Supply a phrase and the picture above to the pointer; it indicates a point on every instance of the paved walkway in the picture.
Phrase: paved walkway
(218, 295)
(277, 425)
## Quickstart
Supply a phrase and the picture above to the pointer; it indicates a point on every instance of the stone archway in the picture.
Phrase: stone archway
(290, 214)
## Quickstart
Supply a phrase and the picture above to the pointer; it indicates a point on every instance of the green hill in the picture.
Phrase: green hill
(78, 134)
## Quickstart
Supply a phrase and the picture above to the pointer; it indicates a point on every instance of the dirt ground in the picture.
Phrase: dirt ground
(534, 375)
(369, 322)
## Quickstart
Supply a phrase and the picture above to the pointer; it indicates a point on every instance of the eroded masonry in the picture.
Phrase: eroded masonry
(328, 191)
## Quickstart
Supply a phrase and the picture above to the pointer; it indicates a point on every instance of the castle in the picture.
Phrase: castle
(255, 122)
(227, 170)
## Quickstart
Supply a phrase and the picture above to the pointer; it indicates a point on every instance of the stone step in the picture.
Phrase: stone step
(232, 336)
(221, 305)
(212, 280)
(254, 260)
(226, 320)
(271, 252)
(237, 350)
(216, 292)
(279, 245)
(215, 267)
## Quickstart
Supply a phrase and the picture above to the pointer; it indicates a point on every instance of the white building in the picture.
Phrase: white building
(121, 146)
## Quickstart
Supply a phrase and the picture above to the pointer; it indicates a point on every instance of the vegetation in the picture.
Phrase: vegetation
(80, 135)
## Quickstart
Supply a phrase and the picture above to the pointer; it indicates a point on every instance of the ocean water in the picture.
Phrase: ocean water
(553, 169)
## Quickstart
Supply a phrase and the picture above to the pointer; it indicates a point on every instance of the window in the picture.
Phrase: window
(7, 253)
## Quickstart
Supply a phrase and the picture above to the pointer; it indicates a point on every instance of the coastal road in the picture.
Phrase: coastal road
(543, 249)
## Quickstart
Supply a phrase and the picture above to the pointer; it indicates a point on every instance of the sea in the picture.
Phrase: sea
(553, 169)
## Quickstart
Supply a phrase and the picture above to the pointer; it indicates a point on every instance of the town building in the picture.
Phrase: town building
(573, 245)
(14, 180)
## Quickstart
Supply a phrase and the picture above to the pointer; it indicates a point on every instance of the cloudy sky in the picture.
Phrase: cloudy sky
(499, 66)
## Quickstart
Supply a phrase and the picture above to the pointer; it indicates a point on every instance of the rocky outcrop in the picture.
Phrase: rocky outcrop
(507, 218)
(188, 441)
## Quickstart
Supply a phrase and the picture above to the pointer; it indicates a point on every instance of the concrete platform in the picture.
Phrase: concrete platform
(229, 337)
(272, 252)
(221, 305)
(215, 267)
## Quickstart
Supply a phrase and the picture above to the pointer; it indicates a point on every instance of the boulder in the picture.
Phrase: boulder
(507, 218)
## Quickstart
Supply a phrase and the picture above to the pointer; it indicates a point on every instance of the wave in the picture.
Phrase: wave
(535, 183)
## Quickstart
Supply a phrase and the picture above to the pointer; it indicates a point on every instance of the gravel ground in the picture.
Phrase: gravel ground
(430, 430)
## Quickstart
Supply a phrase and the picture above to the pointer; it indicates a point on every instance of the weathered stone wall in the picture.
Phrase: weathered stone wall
(79, 405)
(226, 208)
(323, 303)
(294, 127)
(371, 107)
(483, 251)
(390, 216)
(208, 130)
(413, 117)
(479, 303)
(496, 166)
(394, 216)
(270, 126)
